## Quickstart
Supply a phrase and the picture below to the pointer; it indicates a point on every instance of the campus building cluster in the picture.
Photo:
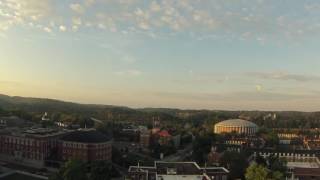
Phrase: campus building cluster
(37, 146)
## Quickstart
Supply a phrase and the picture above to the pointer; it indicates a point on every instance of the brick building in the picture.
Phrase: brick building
(87, 145)
(31, 145)
(306, 174)
(145, 136)
(36, 146)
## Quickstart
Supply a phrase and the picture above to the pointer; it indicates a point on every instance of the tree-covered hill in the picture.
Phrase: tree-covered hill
(69, 110)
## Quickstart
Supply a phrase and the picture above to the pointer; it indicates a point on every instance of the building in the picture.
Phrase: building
(33, 146)
(164, 137)
(176, 170)
(13, 121)
(15, 175)
(176, 139)
(37, 146)
(86, 145)
(238, 126)
(45, 117)
(145, 138)
(306, 174)
(68, 125)
(214, 156)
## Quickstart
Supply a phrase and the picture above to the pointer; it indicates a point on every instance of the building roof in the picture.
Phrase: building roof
(237, 122)
(307, 172)
(164, 133)
(86, 136)
(179, 168)
(18, 175)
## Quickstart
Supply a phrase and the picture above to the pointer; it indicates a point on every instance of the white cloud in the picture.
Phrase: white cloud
(62, 28)
(76, 21)
(89, 2)
(102, 26)
(77, 8)
(284, 76)
(129, 59)
(155, 7)
(129, 73)
(144, 25)
(47, 29)
(75, 28)
(245, 20)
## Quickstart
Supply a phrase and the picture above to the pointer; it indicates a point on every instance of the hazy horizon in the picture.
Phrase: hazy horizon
(187, 54)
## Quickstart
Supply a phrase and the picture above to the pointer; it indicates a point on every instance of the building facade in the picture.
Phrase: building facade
(306, 174)
(145, 138)
(238, 126)
(33, 145)
(36, 146)
(86, 145)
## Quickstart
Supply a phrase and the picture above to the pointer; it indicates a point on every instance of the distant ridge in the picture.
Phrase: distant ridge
(45, 104)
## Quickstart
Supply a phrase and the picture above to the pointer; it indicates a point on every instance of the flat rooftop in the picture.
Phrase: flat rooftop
(180, 177)
(19, 175)
(178, 168)
(303, 165)
(33, 132)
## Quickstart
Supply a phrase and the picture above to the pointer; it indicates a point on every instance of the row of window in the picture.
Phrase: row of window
(80, 145)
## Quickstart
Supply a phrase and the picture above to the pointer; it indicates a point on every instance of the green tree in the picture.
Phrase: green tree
(277, 164)
(201, 147)
(101, 170)
(256, 172)
(277, 175)
(236, 162)
(260, 160)
(269, 136)
(74, 170)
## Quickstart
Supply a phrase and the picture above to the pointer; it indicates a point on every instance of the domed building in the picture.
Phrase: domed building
(236, 125)
(86, 145)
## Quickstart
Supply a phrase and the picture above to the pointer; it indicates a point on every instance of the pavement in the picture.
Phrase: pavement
(180, 155)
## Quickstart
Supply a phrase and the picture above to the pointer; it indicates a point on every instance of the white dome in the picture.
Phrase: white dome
(237, 122)
(236, 125)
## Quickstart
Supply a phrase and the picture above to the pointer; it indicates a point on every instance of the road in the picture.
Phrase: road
(180, 155)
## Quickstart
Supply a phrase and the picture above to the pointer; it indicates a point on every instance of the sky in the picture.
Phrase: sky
(189, 54)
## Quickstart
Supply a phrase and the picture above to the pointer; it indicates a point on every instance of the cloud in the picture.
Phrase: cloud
(129, 73)
(155, 7)
(240, 100)
(76, 21)
(257, 20)
(78, 8)
(284, 76)
(20, 12)
(129, 59)
(47, 29)
(62, 28)
(202, 78)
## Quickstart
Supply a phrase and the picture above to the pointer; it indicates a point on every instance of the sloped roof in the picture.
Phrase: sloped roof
(164, 133)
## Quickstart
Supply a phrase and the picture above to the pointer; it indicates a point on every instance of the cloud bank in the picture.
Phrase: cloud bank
(260, 20)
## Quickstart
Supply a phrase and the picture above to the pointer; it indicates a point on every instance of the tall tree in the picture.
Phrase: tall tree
(74, 170)
(101, 170)
(256, 172)
(236, 162)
